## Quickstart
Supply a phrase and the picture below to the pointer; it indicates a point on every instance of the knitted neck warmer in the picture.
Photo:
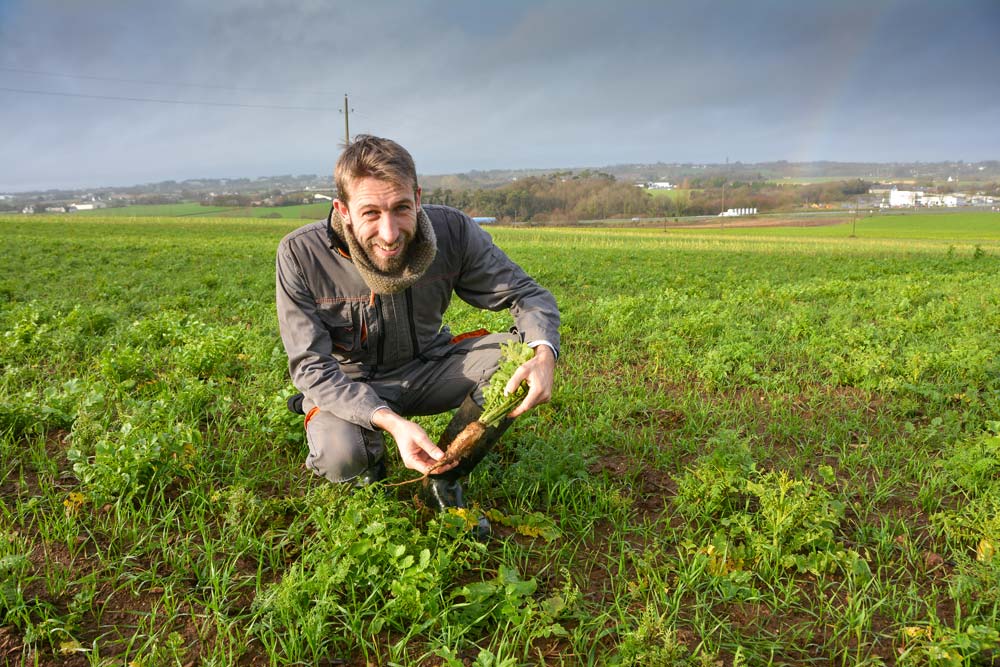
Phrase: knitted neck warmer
(419, 255)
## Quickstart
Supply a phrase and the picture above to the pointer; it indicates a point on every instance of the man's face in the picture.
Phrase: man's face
(383, 218)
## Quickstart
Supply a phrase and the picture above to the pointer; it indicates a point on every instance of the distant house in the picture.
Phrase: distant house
(904, 198)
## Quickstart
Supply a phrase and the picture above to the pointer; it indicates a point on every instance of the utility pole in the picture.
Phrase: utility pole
(347, 124)
(722, 216)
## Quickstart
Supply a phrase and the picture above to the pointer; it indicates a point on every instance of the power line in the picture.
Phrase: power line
(160, 83)
(159, 101)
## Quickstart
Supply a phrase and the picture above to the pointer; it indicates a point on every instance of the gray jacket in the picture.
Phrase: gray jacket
(337, 336)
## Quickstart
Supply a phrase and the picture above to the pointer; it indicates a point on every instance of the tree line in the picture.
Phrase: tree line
(586, 195)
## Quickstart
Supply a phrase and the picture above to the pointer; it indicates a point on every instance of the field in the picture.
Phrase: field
(765, 447)
(673, 194)
(193, 209)
(966, 227)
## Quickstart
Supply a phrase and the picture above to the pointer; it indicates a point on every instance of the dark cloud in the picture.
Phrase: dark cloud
(470, 85)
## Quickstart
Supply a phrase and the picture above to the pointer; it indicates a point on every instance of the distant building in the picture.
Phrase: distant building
(485, 221)
(659, 185)
(737, 212)
(904, 198)
(80, 207)
(319, 197)
(914, 198)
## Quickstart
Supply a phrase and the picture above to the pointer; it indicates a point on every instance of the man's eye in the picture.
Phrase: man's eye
(371, 215)
(402, 208)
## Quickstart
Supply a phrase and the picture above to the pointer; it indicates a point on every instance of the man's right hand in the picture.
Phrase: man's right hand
(415, 447)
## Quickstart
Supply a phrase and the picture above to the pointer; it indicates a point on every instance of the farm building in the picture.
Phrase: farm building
(904, 198)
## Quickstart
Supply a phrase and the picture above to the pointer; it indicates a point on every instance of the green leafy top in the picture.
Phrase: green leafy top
(496, 405)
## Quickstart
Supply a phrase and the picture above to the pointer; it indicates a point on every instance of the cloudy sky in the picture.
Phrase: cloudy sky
(119, 92)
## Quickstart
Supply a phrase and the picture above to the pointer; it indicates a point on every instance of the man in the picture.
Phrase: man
(360, 300)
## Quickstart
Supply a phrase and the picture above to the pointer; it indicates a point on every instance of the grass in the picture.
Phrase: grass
(154, 210)
(812, 180)
(943, 227)
(193, 209)
(674, 193)
(764, 448)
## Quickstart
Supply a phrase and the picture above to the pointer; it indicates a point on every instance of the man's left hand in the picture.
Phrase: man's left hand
(538, 373)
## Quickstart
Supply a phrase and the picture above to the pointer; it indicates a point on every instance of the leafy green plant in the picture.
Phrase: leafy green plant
(364, 571)
(125, 463)
(507, 602)
(936, 645)
(761, 518)
(714, 486)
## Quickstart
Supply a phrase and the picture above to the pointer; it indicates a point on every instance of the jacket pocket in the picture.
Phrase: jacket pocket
(344, 323)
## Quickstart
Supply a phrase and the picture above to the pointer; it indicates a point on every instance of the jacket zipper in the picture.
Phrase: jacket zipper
(413, 327)
(381, 330)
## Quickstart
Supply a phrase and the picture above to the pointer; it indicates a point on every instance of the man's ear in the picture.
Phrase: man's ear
(342, 209)
(417, 196)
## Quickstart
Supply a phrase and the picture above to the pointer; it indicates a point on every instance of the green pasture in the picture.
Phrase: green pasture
(764, 448)
(812, 180)
(299, 212)
(153, 210)
(194, 209)
(944, 227)
(673, 194)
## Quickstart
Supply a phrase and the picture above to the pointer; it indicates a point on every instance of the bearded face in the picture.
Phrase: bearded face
(382, 215)
(387, 257)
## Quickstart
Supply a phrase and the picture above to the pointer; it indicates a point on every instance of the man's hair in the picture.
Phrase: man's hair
(375, 157)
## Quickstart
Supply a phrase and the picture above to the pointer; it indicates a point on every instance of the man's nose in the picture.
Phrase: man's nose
(388, 230)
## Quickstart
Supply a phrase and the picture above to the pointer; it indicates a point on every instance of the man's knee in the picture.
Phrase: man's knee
(340, 450)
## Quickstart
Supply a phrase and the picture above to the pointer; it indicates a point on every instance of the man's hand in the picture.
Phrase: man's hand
(415, 448)
(538, 372)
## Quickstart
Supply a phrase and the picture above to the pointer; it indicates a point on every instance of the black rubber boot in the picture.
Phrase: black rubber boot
(294, 404)
(372, 475)
(442, 494)
(443, 490)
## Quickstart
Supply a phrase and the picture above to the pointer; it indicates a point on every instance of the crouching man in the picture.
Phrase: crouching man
(360, 300)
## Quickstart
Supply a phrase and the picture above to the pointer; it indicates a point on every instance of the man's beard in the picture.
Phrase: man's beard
(389, 265)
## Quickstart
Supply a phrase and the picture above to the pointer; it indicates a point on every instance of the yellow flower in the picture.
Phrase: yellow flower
(73, 502)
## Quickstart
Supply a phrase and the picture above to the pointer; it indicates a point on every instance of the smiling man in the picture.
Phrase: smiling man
(360, 301)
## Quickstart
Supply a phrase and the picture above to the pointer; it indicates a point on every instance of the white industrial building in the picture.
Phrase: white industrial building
(914, 198)
(904, 198)
(736, 212)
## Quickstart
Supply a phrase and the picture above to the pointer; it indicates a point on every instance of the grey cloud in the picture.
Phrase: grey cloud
(469, 85)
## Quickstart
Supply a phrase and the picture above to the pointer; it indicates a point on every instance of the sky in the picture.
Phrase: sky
(123, 92)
